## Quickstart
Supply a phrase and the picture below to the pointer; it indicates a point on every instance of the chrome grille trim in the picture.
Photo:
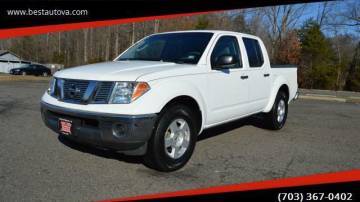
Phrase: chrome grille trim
(103, 92)
(83, 91)
(74, 90)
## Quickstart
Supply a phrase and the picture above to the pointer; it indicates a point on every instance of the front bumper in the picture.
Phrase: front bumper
(124, 133)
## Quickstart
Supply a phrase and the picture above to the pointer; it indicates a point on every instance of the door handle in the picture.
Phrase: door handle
(244, 77)
(266, 75)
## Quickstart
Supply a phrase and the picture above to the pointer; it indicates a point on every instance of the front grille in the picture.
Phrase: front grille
(74, 90)
(83, 91)
(103, 93)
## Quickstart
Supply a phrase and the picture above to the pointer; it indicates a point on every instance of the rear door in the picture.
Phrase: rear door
(33, 70)
(259, 74)
(227, 92)
(43, 70)
(37, 70)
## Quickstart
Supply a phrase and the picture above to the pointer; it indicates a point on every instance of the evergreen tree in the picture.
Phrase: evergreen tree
(353, 79)
(317, 58)
(202, 23)
(239, 24)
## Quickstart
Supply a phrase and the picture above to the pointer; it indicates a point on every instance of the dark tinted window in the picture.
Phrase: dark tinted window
(254, 53)
(226, 45)
(26, 66)
(172, 47)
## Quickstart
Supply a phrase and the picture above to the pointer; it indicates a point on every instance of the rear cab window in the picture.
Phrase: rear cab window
(254, 52)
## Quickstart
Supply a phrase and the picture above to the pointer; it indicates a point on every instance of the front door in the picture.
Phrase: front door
(227, 87)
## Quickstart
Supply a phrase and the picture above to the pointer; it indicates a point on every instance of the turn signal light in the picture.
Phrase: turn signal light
(140, 89)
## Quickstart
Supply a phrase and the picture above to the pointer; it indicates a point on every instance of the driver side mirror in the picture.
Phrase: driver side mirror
(224, 62)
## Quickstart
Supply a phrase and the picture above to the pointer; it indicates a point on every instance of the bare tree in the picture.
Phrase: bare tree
(348, 16)
(133, 34)
(352, 14)
(156, 26)
(85, 45)
(107, 47)
(116, 47)
(323, 12)
(59, 43)
(281, 19)
(91, 36)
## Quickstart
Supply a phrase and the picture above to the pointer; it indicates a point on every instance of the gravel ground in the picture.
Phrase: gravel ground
(37, 165)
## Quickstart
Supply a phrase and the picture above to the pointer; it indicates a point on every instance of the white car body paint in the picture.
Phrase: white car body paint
(221, 96)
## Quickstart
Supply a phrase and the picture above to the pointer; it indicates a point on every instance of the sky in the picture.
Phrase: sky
(334, 7)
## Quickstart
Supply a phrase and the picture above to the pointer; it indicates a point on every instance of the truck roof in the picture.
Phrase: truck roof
(210, 31)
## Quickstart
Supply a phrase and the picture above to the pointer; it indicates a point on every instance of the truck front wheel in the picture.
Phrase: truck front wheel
(173, 140)
(276, 118)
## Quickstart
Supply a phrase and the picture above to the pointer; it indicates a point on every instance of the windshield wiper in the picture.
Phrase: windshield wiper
(174, 61)
(143, 59)
(154, 59)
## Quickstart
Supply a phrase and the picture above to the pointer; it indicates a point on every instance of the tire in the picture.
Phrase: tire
(164, 153)
(45, 74)
(23, 73)
(276, 118)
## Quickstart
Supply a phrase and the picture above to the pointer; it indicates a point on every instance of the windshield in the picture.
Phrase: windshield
(173, 47)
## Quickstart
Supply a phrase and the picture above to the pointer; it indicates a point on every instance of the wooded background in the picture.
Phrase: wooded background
(323, 39)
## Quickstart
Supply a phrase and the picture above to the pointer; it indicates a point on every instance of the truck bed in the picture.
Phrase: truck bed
(283, 66)
(290, 73)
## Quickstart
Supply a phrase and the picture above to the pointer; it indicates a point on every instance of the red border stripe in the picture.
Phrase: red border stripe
(25, 31)
(344, 176)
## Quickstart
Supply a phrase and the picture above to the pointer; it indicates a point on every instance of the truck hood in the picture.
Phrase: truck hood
(124, 70)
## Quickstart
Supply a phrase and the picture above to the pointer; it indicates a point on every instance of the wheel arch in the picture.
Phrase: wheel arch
(279, 85)
(190, 102)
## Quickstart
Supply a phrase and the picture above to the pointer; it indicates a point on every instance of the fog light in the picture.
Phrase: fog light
(119, 130)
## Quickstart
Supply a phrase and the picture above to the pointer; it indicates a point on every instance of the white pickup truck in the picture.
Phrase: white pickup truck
(157, 96)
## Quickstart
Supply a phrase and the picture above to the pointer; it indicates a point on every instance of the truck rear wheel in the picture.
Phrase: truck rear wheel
(173, 140)
(276, 118)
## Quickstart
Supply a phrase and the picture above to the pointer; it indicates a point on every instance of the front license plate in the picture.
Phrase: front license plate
(65, 126)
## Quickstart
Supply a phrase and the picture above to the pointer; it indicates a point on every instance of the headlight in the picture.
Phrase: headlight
(126, 92)
(52, 84)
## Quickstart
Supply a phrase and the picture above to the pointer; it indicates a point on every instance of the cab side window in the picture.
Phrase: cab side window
(253, 51)
(226, 46)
